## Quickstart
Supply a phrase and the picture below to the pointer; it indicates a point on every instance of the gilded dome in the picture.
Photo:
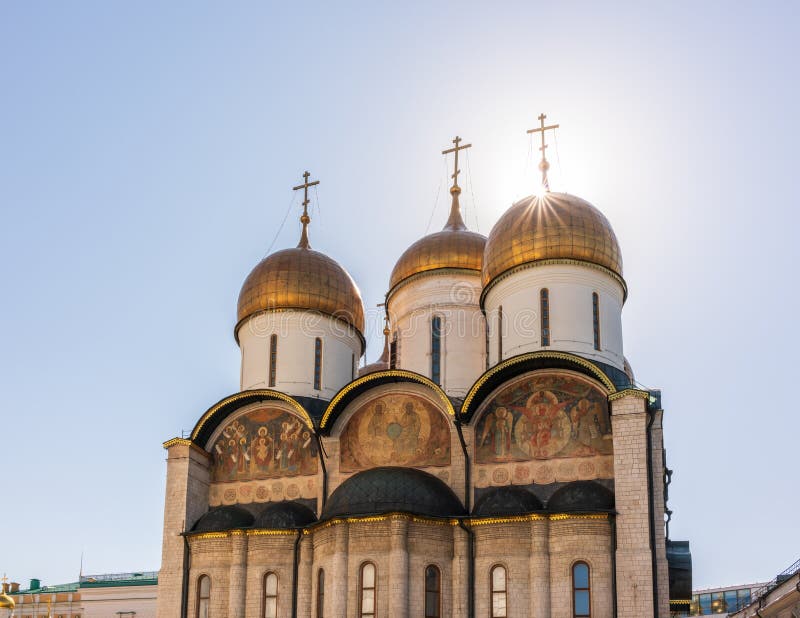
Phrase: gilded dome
(454, 247)
(303, 279)
(6, 602)
(553, 226)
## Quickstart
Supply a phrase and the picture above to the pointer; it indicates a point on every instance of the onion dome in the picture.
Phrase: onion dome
(388, 489)
(554, 226)
(382, 364)
(6, 602)
(304, 280)
(224, 518)
(455, 247)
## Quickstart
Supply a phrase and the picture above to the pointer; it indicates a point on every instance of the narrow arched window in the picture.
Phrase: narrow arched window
(436, 350)
(273, 359)
(500, 334)
(366, 591)
(203, 596)
(499, 591)
(270, 596)
(544, 310)
(433, 592)
(318, 364)
(393, 352)
(581, 591)
(596, 319)
(320, 594)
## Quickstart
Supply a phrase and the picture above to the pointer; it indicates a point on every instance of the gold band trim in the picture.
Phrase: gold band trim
(390, 373)
(594, 369)
(263, 393)
(629, 392)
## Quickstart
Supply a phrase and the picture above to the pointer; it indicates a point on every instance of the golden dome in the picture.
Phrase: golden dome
(554, 226)
(6, 602)
(301, 279)
(454, 247)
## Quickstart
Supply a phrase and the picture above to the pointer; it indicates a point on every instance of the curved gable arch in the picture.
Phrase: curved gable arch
(496, 376)
(355, 388)
(216, 414)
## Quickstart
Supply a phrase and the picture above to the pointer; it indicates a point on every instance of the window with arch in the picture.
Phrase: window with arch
(500, 334)
(318, 364)
(366, 591)
(320, 593)
(544, 310)
(393, 352)
(499, 587)
(433, 592)
(273, 359)
(581, 591)
(203, 596)
(436, 349)
(596, 319)
(270, 596)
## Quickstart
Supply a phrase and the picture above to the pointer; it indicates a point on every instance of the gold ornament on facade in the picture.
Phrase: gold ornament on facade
(6, 602)
(455, 247)
(301, 279)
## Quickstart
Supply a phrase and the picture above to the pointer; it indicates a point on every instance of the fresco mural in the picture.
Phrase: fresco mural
(264, 443)
(542, 416)
(395, 429)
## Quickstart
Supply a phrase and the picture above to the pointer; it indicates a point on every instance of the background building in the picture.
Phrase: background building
(119, 595)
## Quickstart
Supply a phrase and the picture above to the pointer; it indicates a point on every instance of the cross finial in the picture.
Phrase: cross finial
(455, 222)
(544, 164)
(305, 219)
(4, 579)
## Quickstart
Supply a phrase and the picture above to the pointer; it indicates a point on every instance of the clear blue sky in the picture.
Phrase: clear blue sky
(147, 154)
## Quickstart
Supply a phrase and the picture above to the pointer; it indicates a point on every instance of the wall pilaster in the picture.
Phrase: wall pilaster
(306, 579)
(398, 567)
(659, 506)
(237, 587)
(540, 569)
(338, 603)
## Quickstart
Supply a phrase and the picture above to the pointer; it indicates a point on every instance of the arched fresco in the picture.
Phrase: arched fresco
(263, 443)
(400, 429)
(544, 415)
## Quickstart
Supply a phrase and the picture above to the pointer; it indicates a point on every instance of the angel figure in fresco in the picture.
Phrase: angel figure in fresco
(545, 413)
(287, 450)
(497, 430)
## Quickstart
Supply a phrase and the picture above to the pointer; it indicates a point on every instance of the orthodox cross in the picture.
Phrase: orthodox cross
(305, 219)
(4, 579)
(456, 171)
(544, 165)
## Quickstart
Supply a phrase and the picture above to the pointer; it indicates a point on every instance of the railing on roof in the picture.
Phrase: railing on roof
(781, 577)
(115, 577)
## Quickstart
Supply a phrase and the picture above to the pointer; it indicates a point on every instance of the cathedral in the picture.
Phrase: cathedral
(497, 460)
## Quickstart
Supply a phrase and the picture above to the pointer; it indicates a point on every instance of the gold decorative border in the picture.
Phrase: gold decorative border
(629, 392)
(594, 369)
(550, 262)
(261, 392)
(390, 373)
(373, 519)
(184, 442)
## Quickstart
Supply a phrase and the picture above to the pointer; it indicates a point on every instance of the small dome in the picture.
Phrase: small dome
(382, 364)
(581, 496)
(302, 279)
(507, 500)
(224, 518)
(554, 226)
(454, 247)
(6, 602)
(387, 489)
(286, 514)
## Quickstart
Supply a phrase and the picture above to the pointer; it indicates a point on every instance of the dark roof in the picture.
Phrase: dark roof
(387, 489)
(286, 514)
(506, 500)
(581, 496)
(224, 518)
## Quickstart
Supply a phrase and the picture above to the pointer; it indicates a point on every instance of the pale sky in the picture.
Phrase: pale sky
(147, 155)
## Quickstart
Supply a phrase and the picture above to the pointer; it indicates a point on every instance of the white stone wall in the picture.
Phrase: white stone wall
(297, 331)
(453, 297)
(570, 289)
